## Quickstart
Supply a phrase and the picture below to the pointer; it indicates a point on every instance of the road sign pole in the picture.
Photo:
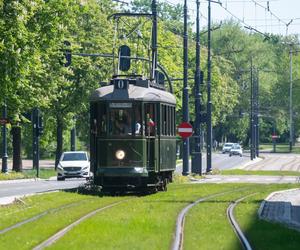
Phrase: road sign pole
(4, 140)
(185, 97)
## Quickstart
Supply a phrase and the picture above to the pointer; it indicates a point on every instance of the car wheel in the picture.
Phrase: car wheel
(60, 178)
(241, 155)
(229, 155)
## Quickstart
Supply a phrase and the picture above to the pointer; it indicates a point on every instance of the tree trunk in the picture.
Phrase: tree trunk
(59, 139)
(17, 139)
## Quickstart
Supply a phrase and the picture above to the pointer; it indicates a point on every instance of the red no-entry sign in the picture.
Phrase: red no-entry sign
(185, 129)
(275, 136)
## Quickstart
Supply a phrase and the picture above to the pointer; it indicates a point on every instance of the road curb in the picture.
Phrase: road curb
(3, 182)
(286, 216)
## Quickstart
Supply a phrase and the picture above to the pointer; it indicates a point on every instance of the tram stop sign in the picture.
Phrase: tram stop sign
(185, 129)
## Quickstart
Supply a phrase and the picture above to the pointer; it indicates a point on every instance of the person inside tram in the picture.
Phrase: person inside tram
(138, 124)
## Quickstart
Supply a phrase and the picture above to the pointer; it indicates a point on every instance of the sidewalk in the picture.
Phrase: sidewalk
(27, 164)
(282, 207)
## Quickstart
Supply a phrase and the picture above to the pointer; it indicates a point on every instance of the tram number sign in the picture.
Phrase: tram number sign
(121, 84)
(185, 129)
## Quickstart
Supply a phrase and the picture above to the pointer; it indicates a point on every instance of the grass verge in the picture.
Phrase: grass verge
(27, 174)
(257, 172)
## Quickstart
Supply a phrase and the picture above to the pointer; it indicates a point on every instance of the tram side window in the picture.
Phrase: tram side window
(138, 128)
(102, 118)
(120, 121)
(150, 118)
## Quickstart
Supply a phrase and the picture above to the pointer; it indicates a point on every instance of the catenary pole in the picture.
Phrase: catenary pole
(291, 98)
(185, 98)
(197, 156)
(257, 113)
(209, 104)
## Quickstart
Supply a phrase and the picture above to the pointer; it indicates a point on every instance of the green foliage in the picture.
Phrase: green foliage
(32, 34)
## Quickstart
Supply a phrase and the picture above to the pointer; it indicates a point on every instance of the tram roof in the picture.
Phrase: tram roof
(132, 93)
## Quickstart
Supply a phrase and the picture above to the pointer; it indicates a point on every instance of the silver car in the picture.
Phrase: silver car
(73, 164)
(236, 149)
(226, 147)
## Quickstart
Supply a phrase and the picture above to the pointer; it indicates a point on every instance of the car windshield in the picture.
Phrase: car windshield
(74, 157)
(228, 145)
(236, 147)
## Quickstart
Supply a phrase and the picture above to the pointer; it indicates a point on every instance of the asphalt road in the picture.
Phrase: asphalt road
(221, 161)
(19, 188)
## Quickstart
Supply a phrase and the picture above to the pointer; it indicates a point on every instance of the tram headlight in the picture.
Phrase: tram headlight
(120, 154)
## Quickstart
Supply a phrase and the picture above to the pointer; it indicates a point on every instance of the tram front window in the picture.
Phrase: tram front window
(120, 122)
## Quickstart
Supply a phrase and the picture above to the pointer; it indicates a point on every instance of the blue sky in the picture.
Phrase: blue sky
(280, 13)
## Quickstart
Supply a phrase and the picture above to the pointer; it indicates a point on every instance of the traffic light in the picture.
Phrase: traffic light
(67, 53)
(40, 126)
(201, 77)
(124, 57)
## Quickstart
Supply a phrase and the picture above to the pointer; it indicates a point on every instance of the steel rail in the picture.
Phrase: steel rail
(245, 243)
(178, 240)
(34, 218)
(63, 231)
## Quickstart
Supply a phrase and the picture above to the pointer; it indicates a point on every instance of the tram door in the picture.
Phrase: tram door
(150, 111)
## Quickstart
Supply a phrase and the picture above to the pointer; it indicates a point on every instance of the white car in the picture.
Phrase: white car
(73, 164)
(226, 147)
(236, 149)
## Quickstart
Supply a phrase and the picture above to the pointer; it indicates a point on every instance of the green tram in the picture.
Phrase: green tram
(133, 135)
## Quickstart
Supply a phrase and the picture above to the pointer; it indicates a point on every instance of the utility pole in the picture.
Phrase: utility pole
(73, 136)
(257, 112)
(185, 97)
(209, 104)
(197, 157)
(37, 129)
(291, 98)
(4, 139)
(35, 141)
(252, 154)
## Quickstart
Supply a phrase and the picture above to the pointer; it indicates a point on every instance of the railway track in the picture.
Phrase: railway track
(63, 231)
(179, 231)
(245, 243)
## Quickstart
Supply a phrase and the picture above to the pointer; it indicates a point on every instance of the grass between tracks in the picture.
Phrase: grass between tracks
(146, 222)
(26, 174)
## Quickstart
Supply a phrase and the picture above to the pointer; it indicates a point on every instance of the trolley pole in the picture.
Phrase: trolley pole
(4, 140)
(154, 40)
(209, 104)
(185, 97)
(197, 157)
